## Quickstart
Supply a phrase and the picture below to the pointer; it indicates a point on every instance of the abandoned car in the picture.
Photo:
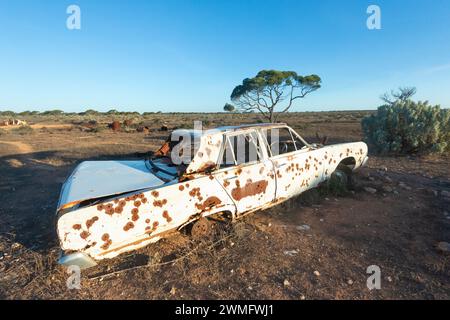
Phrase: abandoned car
(110, 207)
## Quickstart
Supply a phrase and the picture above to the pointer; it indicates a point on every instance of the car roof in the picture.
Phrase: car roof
(224, 129)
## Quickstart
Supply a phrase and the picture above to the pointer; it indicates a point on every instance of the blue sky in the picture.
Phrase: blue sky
(189, 55)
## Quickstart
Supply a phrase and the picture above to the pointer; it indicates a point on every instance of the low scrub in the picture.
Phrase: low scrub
(408, 127)
(22, 130)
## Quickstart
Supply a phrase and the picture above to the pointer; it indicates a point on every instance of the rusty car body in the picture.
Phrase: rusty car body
(110, 207)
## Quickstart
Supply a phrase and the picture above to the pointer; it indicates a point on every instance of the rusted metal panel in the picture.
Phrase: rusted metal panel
(107, 229)
(130, 206)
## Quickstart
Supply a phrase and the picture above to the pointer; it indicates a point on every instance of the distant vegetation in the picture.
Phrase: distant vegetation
(229, 107)
(403, 126)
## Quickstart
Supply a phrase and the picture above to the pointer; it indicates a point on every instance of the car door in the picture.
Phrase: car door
(297, 166)
(245, 171)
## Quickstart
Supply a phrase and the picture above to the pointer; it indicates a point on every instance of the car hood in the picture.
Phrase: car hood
(95, 179)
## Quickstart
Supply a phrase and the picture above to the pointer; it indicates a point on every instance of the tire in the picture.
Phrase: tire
(344, 174)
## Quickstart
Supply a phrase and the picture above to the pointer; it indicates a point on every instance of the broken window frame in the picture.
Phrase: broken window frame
(292, 133)
(260, 153)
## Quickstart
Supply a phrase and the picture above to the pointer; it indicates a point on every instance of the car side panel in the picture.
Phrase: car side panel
(297, 171)
(128, 222)
(250, 186)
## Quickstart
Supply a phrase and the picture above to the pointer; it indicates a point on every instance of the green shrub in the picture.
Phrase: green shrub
(407, 127)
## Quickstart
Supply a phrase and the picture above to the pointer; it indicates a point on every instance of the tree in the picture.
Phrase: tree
(228, 107)
(403, 94)
(271, 89)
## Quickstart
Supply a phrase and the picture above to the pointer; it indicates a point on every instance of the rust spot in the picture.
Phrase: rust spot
(77, 226)
(239, 171)
(195, 192)
(181, 187)
(238, 183)
(141, 195)
(187, 185)
(250, 189)
(147, 220)
(100, 207)
(128, 226)
(155, 194)
(166, 216)
(91, 221)
(118, 209)
(159, 203)
(211, 177)
(209, 203)
(107, 241)
(144, 200)
(84, 235)
(137, 203)
(122, 203)
(226, 183)
(134, 214)
(206, 166)
(155, 224)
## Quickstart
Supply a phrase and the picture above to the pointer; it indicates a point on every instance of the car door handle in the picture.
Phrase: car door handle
(231, 178)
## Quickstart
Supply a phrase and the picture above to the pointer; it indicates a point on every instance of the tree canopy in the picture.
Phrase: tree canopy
(270, 89)
(228, 107)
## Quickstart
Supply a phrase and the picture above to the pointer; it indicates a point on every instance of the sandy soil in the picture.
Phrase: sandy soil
(267, 255)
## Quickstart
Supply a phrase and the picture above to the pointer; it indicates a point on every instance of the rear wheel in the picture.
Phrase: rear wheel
(342, 177)
(203, 228)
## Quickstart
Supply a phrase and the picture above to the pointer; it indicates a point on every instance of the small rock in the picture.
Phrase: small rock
(389, 279)
(387, 189)
(303, 227)
(435, 193)
(173, 291)
(317, 273)
(370, 190)
(286, 283)
(321, 220)
(443, 246)
(350, 281)
(371, 179)
(250, 288)
(290, 252)
(15, 245)
(302, 297)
